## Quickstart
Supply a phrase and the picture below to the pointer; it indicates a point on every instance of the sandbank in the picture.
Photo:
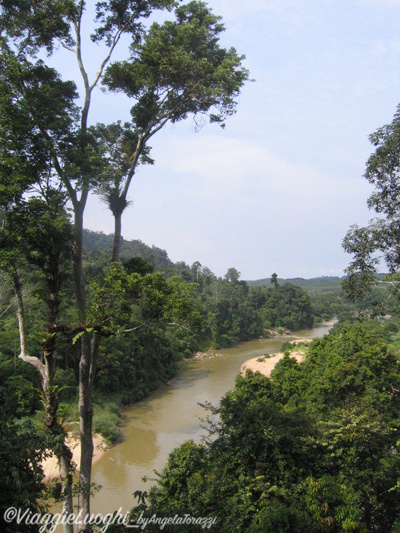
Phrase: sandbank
(267, 365)
(50, 464)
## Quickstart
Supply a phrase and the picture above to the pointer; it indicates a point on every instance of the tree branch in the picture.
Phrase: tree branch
(22, 329)
(116, 38)
(180, 326)
(132, 168)
(5, 311)
(135, 328)
(67, 47)
(86, 105)
(114, 43)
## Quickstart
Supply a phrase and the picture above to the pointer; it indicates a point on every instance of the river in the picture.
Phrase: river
(155, 426)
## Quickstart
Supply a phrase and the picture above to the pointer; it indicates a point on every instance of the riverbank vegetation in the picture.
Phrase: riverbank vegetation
(315, 448)
(131, 365)
(227, 310)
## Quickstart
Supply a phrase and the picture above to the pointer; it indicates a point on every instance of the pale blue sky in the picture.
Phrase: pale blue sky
(277, 189)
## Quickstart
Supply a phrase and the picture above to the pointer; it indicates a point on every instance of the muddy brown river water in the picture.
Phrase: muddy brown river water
(164, 420)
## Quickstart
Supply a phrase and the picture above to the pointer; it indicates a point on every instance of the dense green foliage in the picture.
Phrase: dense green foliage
(133, 364)
(233, 311)
(286, 306)
(313, 449)
(21, 474)
(329, 299)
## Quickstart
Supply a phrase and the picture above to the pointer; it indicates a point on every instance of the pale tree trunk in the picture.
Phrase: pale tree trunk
(77, 251)
(87, 372)
(85, 369)
(62, 452)
(85, 428)
(89, 347)
(66, 486)
(118, 207)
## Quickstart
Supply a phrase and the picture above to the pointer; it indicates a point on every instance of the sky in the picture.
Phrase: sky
(279, 187)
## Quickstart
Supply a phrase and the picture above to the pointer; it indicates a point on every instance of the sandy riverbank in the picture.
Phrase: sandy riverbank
(265, 365)
(50, 465)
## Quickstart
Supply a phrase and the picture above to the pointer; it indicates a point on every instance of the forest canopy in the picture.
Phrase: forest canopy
(313, 448)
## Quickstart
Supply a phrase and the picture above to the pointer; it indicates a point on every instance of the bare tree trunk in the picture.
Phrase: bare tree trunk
(62, 452)
(77, 260)
(85, 428)
(117, 236)
(87, 371)
(64, 460)
(85, 363)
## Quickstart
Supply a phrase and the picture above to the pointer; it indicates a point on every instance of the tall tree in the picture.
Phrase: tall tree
(26, 28)
(118, 145)
(37, 234)
(177, 70)
(274, 280)
(172, 72)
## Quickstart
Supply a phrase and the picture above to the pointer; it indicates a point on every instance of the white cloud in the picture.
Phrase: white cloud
(227, 203)
(232, 165)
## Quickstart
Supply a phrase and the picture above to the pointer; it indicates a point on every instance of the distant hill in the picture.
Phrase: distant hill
(320, 284)
(97, 242)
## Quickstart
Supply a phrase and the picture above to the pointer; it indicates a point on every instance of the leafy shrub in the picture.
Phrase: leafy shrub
(108, 426)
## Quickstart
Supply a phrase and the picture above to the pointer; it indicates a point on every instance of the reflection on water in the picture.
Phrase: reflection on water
(161, 422)
(191, 376)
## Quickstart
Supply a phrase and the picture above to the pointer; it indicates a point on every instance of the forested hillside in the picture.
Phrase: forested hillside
(228, 310)
(231, 309)
(320, 284)
(98, 244)
(132, 364)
